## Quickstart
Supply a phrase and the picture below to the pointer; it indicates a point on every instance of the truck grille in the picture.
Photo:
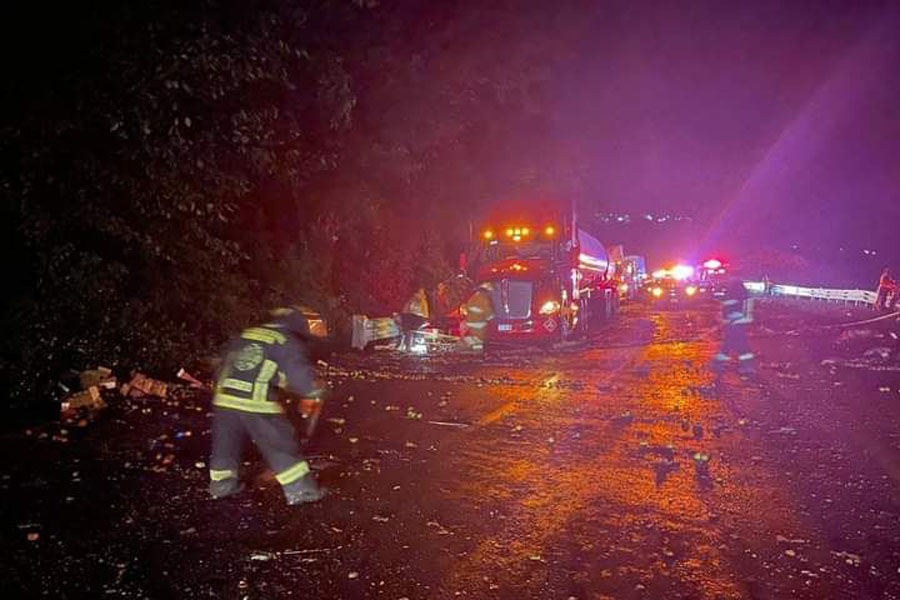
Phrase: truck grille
(514, 301)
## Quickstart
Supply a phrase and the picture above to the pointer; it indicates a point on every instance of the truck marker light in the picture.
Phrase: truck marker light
(509, 232)
(524, 231)
(550, 307)
(488, 234)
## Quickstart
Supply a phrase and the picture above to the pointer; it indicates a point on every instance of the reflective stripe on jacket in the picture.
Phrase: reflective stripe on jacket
(479, 310)
(257, 364)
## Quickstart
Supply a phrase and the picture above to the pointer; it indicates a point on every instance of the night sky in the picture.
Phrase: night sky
(771, 122)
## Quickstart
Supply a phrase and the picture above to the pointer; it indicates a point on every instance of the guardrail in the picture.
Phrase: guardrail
(855, 297)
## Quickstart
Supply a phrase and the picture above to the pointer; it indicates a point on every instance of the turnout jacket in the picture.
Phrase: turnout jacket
(257, 364)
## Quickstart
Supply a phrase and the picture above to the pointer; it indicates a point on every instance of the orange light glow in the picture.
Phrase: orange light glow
(550, 230)
(488, 234)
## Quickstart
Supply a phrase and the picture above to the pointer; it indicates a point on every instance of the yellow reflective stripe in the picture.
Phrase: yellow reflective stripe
(258, 334)
(221, 474)
(237, 384)
(293, 474)
(282, 380)
(245, 405)
(261, 386)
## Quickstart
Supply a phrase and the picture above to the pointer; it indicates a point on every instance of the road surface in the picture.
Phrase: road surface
(612, 469)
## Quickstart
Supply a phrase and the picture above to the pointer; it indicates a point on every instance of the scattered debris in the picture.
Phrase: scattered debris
(101, 377)
(849, 558)
(90, 398)
(448, 424)
(141, 385)
(193, 381)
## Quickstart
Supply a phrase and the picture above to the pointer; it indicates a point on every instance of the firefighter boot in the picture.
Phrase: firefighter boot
(225, 488)
(303, 490)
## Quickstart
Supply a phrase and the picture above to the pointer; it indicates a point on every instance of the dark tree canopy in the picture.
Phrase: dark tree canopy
(169, 171)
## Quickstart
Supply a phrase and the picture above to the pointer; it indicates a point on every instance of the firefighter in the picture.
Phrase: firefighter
(415, 314)
(479, 311)
(886, 287)
(737, 314)
(258, 364)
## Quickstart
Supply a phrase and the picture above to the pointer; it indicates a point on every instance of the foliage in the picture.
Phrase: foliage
(196, 165)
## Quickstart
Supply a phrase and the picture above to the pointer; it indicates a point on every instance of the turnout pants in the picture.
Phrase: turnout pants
(272, 434)
(735, 344)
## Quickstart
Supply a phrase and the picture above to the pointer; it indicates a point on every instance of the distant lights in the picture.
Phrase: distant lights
(550, 230)
(682, 271)
(713, 263)
(488, 235)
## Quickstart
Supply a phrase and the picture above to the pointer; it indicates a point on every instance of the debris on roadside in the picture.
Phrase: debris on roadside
(89, 399)
(448, 424)
(141, 385)
(192, 381)
(101, 377)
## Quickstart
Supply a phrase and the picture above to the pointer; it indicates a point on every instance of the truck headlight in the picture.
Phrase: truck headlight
(550, 307)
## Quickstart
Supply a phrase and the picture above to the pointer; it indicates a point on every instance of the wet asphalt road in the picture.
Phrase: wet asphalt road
(610, 469)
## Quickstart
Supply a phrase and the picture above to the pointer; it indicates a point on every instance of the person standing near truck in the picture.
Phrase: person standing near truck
(479, 310)
(416, 313)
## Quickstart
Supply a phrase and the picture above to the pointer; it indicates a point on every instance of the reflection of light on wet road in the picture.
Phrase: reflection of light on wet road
(594, 480)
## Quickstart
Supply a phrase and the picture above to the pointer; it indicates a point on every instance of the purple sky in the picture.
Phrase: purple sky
(770, 121)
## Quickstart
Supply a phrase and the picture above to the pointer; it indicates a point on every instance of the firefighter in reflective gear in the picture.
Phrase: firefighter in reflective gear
(257, 364)
(887, 288)
(737, 314)
(479, 310)
(415, 314)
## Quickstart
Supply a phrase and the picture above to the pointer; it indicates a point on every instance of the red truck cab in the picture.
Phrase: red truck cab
(550, 279)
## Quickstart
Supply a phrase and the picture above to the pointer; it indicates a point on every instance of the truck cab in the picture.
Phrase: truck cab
(548, 278)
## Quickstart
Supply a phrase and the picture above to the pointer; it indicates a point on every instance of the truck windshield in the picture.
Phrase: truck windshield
(504, 251)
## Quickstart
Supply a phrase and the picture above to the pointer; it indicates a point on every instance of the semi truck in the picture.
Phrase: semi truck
(550, 280)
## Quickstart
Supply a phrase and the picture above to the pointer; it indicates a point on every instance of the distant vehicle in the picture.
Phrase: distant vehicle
(551, 279)
(669, 292)
(710, 277)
